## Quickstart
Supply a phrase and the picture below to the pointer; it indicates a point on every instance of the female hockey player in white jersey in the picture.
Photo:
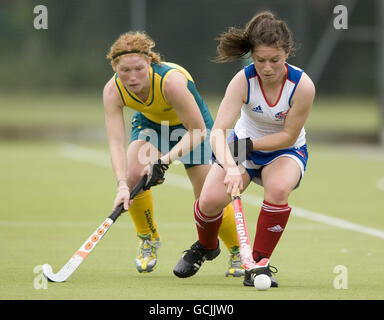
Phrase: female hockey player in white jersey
(274, 100)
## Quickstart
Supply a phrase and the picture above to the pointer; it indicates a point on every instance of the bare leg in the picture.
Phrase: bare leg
(214, 196)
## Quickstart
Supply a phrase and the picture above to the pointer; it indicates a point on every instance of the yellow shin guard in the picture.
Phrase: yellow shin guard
(141, 212)
(227, 231)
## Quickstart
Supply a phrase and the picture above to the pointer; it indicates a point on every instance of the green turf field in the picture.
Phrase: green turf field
(55, 192)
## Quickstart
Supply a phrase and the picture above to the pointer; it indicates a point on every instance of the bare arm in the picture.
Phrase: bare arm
(229, 110)
(178, 95)
(301, 104)
(114, 120)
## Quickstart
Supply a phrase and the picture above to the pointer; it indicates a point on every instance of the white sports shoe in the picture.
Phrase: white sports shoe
(147, 253)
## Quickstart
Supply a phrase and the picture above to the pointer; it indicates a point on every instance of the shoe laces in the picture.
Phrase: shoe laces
(235, 259)
(148, 247)
(194, 255)
(269, 271)
(272, 270)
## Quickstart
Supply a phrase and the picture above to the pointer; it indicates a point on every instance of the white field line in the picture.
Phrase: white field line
(101, 158)
(380, 184)
(91, 225)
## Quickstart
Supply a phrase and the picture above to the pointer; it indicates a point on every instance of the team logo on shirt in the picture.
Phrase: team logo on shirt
(257, 109)
(281, 115)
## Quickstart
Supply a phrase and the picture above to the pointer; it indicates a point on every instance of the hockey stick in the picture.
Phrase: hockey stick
(82, 253)
(239, 150)
(243, 237)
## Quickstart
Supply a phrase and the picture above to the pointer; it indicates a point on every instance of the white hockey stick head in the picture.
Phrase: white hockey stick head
(48, 273)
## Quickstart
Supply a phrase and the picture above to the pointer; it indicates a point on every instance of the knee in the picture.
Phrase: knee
(209, 204)
(277, 194)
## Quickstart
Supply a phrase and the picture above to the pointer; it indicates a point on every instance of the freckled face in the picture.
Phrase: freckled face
(133, 71)
(269, 62)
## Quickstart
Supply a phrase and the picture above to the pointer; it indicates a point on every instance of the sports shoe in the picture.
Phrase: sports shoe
(250, 276)
(193, 258)
(236, 269)
(147, 253)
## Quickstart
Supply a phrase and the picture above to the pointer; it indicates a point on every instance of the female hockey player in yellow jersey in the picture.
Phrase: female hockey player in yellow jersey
(171, 122)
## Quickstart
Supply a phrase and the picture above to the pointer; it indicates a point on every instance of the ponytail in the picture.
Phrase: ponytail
(234, 44)
(262, 29)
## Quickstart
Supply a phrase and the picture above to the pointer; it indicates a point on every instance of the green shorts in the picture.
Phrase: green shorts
(164, 138)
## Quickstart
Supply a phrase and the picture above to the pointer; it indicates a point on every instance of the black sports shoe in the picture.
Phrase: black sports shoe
(250, 276)
(193, 258)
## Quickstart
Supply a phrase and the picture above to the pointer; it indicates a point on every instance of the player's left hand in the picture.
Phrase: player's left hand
(155, 172)
(240, 149)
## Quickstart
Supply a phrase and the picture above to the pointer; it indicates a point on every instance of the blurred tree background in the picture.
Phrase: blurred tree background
(70, 54)
(69, 57)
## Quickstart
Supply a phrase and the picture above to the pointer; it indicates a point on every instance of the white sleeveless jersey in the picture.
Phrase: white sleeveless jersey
(258, 117)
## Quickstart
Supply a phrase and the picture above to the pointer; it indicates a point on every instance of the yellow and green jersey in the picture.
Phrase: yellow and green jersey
(156, 108)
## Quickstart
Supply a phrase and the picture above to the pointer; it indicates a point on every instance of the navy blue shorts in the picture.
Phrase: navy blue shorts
(257, 160)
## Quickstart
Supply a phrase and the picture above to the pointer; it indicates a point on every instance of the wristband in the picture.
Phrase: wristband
(121, 180)
(122, 188)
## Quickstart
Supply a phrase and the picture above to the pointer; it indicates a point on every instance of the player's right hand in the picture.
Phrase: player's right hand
(122, 196)
(233, 180)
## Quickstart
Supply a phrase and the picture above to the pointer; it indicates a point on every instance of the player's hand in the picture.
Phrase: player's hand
(240, 149)
(122, 196)
(233, 180)
(155, 172)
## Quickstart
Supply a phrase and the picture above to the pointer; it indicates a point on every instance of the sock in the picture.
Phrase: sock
(270, 226)
(227, 231)
(141, 212)
(207, 227)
